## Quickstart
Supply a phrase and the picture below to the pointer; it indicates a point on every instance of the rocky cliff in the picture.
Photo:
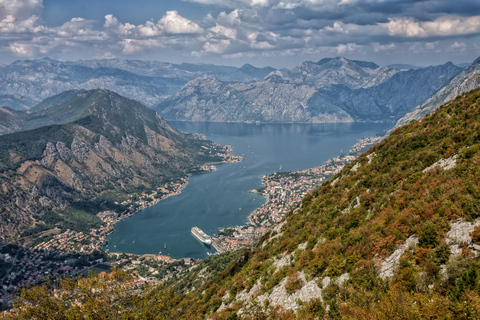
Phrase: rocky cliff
(331, 90)
(465, 81)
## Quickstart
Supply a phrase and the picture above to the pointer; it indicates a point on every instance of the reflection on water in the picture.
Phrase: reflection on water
(221, 198)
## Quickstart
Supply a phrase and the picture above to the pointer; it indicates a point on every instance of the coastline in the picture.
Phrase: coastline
(72, 241)
(283, 191)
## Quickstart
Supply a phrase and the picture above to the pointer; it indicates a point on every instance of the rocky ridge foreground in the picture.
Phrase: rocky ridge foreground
(330, 90)
(102, 148)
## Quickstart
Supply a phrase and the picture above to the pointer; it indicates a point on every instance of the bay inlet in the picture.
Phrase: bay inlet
(221, 198)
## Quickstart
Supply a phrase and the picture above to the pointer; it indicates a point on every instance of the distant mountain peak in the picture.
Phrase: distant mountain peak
(247, 66)
(342, 60)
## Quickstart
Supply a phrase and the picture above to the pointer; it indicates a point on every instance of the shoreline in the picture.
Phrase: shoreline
(283, 191)
(72, 241)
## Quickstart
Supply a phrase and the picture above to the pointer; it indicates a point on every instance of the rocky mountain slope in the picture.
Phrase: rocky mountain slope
(330, 90)
(394, 235)
(25, 83)
(465, 81)
(93, 144)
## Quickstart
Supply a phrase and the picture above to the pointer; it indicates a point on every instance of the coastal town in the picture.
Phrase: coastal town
(284, 191)
(73, 241)
(26, 266)
(70, 253)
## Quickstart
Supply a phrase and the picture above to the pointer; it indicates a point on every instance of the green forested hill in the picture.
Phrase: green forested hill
(392, 236)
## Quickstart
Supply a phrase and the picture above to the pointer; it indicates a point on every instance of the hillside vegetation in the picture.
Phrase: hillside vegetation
(394, 235)
(87, 154)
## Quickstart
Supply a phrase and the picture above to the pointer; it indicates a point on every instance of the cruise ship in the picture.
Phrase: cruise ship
(202, 236)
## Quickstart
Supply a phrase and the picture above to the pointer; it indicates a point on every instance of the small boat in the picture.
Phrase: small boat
(165, 246)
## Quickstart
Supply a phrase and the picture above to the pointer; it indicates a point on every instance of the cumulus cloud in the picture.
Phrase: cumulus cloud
(170, 23)
(10, 24)
(246, 28)
(347, 48)
(234, 3)
(458, 47)
(20, 9)
(173, 23)
(443, 26)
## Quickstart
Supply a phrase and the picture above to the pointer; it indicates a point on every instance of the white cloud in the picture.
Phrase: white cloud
(216, 46)
(266, 28)
(170, 23)
(384, 47)
(131, 46)
(21, 49)
(458, 47)
(347, 48)
(10, 24)
(173, 23)
(431, 45)
(222, 31)
(20, 9)
(235, 3)
(443, 26)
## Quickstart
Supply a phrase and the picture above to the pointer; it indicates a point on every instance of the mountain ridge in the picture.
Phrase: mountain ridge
(465, 81)
(146, 81)
(337, 90)
(93, 143)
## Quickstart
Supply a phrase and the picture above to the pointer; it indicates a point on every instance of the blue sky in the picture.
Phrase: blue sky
(280, 33)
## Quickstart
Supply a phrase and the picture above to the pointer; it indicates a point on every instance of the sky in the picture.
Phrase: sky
(277, 33)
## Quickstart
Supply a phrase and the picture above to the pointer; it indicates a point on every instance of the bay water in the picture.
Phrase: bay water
(221, 198)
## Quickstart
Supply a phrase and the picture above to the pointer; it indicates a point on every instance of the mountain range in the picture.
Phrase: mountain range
(58, 166)
(25, 83)
(330, 90)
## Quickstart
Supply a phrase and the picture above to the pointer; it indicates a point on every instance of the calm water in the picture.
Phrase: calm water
(221, 198)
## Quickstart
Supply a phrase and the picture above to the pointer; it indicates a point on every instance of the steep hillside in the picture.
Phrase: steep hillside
(467, 80)
(97, 141)
(54, 100)
(399, 224)
(395, 235)
(331, 90)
